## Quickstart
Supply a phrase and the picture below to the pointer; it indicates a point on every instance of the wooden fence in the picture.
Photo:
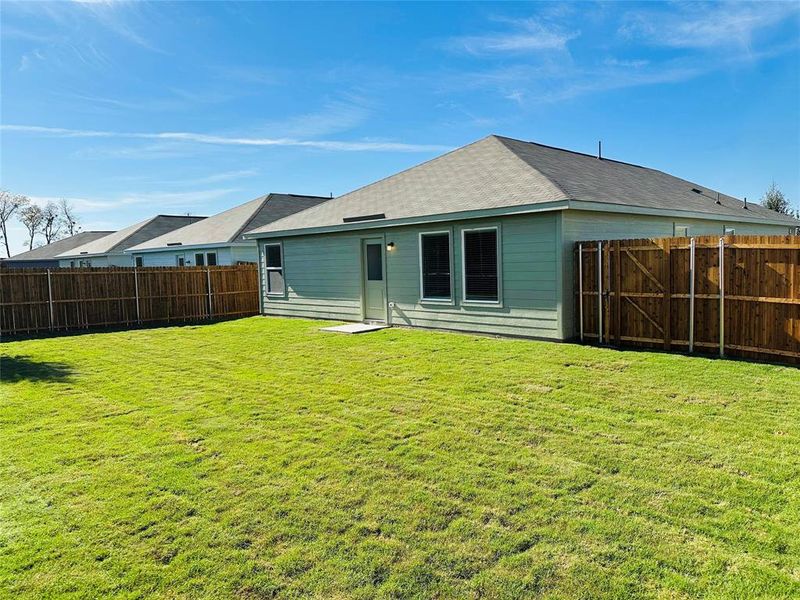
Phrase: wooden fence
(52, 300)
(668, 293)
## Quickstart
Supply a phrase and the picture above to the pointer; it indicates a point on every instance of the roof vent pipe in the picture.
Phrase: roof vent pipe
(745, 203)
(600, 149)
(717, 202)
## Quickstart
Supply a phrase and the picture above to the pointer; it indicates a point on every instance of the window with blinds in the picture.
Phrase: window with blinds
(435, 266)
(480, 265)
(273, 265)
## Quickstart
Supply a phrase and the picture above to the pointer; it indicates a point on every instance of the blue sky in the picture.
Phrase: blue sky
(130, 109)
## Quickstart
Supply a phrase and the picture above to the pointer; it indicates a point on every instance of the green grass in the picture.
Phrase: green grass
(262, 458)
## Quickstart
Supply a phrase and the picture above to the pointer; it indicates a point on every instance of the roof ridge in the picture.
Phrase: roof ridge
(264, 199)
(552, 180)
(586, 154)
(141, 225)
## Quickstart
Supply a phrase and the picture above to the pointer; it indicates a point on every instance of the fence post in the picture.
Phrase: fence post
(208, 281)
(599, 292)
(691, 295)
(580, 288)
(50, 298)
(136, 288)
(722, 296)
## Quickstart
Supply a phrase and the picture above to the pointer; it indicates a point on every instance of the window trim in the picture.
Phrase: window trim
(208, 264)
(676, 225)
(492, 303)
(725, 229)
(267, 269)
(447, 301)
(138, 261)
(202, 262)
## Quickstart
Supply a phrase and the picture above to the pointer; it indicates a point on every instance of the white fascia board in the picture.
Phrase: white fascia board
(189, 247)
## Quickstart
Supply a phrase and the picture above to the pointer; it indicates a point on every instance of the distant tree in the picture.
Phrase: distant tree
(9, 205)
(774, 199)
(32, 217)
(69, 220)
(52, 222)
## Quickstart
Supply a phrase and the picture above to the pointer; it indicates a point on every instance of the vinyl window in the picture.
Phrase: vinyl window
(436, 278)
(139, 261)
(273, 269)
(680, 230)
(211, 259)
(481, 265)
(199, 259)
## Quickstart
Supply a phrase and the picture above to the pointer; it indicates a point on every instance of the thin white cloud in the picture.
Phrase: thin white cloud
(706, 25)
(219, 140)
(174, 200)
(525, 35)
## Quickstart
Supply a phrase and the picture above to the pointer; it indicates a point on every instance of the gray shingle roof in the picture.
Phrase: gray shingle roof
(499, 172)
(130, 236)
(54, 249)
(230, 225)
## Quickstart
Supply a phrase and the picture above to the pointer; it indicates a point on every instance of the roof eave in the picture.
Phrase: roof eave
(689, 214)
(436, 218)
(185, 247)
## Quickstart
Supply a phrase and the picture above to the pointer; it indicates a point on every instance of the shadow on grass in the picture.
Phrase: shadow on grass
(22, 368)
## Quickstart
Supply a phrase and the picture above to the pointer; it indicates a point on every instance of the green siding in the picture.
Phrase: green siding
(578, 225)
(323, 277)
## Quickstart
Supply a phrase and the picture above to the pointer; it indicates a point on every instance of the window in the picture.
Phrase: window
(179, 261)
(273, 265)
(435, 276)
(85, 263)
(374, 262)
(139, 261)
(72, 264)
(481, 281)
(211, 259)
(681, 230)
(199, 260)
(728, 230)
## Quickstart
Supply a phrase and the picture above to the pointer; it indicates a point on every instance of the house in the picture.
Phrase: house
(480, 239)
(45, 257)
(109, 250)
(218, 240)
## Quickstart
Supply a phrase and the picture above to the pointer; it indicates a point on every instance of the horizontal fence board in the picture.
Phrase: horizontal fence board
(57, 300)
(638, 292)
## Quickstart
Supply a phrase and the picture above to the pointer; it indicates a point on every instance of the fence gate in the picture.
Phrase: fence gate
(668, 293)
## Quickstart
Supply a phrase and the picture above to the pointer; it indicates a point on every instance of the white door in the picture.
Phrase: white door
(374, 284)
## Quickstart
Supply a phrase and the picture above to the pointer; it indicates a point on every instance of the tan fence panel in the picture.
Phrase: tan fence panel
(45, 300)
(647, 295)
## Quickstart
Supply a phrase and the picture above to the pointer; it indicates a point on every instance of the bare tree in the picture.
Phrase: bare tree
(51, 222)
(32, 217)
(69, 220)
(9, 204)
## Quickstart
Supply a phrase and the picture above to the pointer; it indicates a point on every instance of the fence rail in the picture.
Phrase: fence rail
(737, 295)
(52, 300)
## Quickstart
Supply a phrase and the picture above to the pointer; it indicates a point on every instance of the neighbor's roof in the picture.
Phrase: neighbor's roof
(498, 172)
(229, 226)
(130, 236)
(53, 249)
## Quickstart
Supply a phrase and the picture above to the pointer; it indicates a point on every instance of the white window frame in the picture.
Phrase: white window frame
(267, 269)
(138, 261)
(492, 303)
(202, 257)
(675, 227)
(216, 259)
(728, 230)
(180, 260)
(422, 298)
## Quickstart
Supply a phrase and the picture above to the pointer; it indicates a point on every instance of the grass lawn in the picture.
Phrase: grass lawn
(262, 458)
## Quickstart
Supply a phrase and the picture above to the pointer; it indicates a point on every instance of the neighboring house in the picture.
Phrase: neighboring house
(218, 240)
(480, 239)
(110, 249)
(45, 257)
